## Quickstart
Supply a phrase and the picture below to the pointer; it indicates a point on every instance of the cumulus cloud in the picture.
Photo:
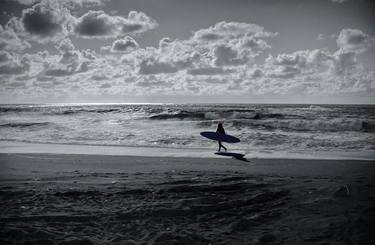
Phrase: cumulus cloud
(72, 4)
(98, 24)
(46, 20)
(208, 71)
(10, 41)
(124, 45)
(310, 72)
(152, 66)
(51, 20)
(232, 43)
(225, 56)
(69, 61)
(231, 30)
(354, 40)
(11, 63)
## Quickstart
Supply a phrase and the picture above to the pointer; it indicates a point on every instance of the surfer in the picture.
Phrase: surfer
(220, 129)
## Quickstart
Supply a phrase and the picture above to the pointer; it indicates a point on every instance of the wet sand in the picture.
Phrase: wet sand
(88, 199)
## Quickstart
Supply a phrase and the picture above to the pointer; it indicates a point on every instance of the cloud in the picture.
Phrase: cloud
(338, 1)
(138, 22)
(46, 20)
(152, 66)
(231, 30)
(98, 24)
(212, 61)
(11, 63)
(53, 21)
(70, 61)
(207, 71)
(310, 72)
(124, 45)
(71, 4)
(320, 37)
(225, 56)
(354, 40)
(10, 41)
(232, 43)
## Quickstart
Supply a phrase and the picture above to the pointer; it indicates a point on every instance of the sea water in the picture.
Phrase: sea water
(267, 128)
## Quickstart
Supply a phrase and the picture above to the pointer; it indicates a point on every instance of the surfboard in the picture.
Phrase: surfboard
(220, 137)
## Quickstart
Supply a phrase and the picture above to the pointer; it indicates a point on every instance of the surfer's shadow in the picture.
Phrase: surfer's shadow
(234, 155)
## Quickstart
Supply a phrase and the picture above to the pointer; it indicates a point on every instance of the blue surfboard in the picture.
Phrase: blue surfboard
(220, 137)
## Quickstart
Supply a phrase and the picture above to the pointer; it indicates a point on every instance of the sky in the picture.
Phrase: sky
(210, 51)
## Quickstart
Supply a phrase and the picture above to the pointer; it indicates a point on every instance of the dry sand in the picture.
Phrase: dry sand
(88, 199)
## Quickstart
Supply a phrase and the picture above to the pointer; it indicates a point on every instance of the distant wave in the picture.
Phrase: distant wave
(70, 111)
(24, 125)
(215, 115)
(57, 110)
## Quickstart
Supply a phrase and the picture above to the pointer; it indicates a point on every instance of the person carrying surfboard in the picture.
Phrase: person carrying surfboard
(220, 129)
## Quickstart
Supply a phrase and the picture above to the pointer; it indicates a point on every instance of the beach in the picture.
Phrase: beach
(108, 199)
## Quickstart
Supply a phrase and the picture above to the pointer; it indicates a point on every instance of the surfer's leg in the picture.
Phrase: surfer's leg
(224, 147)
(220, 145)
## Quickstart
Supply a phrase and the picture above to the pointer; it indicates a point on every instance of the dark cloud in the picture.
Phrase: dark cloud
(96, 23)
(101, 25)
(354, 40)
(46, 19)
(226, 56)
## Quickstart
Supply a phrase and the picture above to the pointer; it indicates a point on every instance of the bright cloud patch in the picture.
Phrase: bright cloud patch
(124, 45)
(69, 61)
(10, 41)
(13, 63)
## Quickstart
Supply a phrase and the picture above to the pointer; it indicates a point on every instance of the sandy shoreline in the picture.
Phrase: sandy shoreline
(97, 199)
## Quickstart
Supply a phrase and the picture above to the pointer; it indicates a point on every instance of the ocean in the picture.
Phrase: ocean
(267, 128)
